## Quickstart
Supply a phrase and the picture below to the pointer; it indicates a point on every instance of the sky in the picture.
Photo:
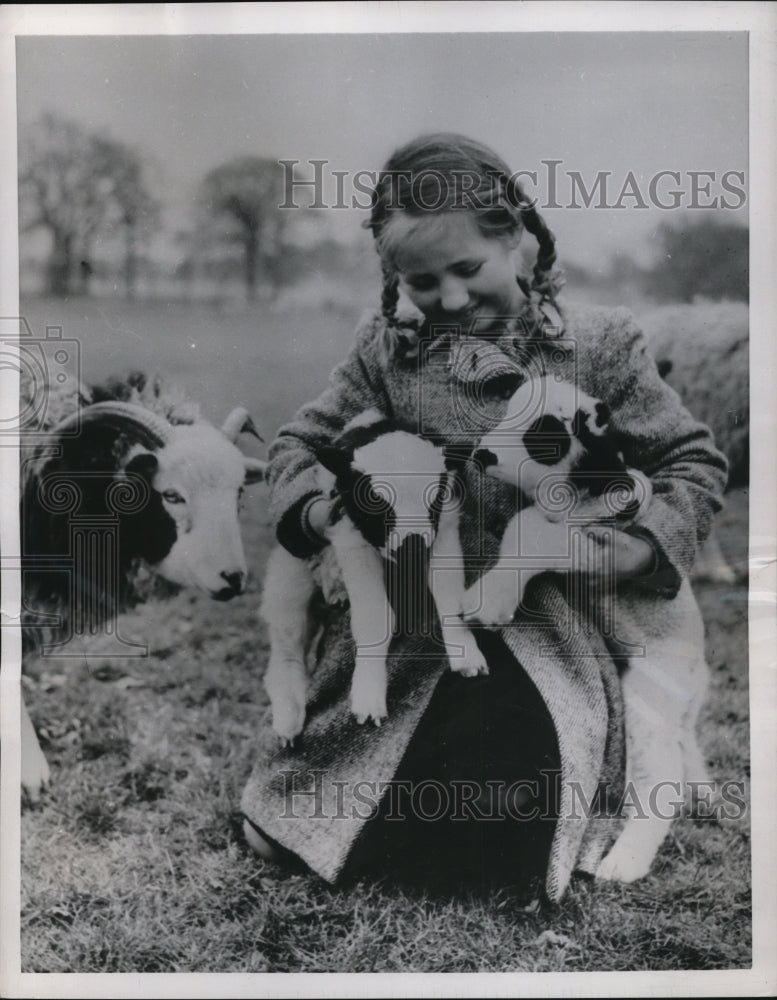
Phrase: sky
(620, 103)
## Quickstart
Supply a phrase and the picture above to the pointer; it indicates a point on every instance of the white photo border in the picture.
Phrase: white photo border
(760, 20)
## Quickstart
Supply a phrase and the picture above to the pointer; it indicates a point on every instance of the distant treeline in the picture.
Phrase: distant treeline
(697, 258)
(92, 197)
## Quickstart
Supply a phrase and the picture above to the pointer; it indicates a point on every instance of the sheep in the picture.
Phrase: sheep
(553, 444)
(702, 353)
(395, 496)
(128, 487)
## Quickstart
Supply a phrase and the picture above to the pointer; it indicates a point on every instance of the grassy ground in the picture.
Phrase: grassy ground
(134, 862)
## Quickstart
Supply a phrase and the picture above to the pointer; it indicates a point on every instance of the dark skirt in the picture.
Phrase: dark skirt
(474, 801)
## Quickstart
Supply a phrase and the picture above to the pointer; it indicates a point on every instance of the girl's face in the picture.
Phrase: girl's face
(453, 273)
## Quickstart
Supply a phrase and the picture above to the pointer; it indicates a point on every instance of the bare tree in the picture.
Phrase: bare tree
(130, 206)
(77, 185)
(700, 257)
(240, 202)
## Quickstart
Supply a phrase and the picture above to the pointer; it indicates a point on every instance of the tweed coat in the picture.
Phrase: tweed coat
(315, 799)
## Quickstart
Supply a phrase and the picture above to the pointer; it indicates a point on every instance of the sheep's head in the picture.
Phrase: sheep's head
(187, 530)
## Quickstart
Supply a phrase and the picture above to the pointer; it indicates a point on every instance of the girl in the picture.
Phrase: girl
(505, 776)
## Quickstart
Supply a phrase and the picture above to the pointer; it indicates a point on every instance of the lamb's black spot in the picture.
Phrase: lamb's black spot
(336, 460)
(440, 496)
(485, 457)
(371, 513)
(547, 441)
(601, 467)
(456, 456)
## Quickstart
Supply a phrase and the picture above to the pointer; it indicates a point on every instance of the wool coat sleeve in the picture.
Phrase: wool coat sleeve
(661, 438)
(354, 386)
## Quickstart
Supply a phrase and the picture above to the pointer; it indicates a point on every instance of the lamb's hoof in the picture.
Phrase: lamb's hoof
(472, 664)
(368, 694)
(377, 719)
(470, 670)
(366, 708)
(622, 866)
(288, 721)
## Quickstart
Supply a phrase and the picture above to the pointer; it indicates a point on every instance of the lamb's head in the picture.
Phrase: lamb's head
(392, 484)
(186, 529)
(552, 429)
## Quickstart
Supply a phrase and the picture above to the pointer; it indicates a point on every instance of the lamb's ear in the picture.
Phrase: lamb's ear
(456, 456)
(336, 460)
(144, 464)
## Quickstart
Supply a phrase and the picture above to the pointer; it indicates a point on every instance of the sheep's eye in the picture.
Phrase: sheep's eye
(172, 496)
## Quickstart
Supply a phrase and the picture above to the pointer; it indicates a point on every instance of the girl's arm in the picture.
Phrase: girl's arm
(355, 385)
(661, 438)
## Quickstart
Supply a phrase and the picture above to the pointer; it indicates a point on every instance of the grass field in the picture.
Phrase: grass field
(133, 861)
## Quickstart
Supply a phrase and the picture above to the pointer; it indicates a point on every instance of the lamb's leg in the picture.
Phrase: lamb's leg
(654, 767)
(446, 582)
(693, 669)
(530, 545)
(288, 590)
(372, 620)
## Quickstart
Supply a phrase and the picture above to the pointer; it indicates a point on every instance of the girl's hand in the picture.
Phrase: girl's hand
(319, 513)
(631, 556)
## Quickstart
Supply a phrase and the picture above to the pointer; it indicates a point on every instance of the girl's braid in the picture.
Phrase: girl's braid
(545, 281)
(390, 295)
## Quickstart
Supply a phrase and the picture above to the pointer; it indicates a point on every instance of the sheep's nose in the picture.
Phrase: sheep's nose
(235, 579)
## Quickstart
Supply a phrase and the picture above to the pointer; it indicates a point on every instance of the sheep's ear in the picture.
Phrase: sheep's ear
(456, 456)
(336, 460)
(143, 464)
(255, 470)
(249, 427)
(239, 422)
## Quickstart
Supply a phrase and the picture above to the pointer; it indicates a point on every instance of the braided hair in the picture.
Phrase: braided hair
(446, 172)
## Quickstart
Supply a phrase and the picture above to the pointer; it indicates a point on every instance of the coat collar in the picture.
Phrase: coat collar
(516, 347)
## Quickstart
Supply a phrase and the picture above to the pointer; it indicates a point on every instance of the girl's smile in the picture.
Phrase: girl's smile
(453, 273)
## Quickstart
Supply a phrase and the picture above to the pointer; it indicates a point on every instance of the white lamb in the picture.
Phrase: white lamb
(395, 499)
